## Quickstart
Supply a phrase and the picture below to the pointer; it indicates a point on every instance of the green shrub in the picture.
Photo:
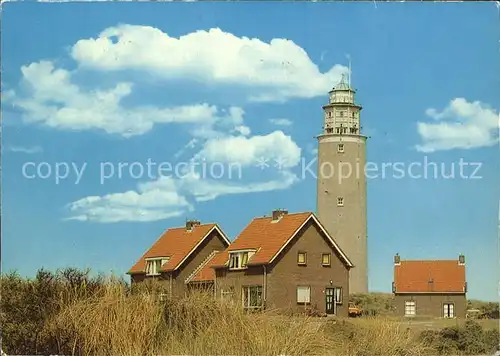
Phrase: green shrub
(470, 339)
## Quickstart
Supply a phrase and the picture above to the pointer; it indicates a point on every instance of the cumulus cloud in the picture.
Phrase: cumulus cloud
(278, 70)
(246, 151)
(55, 101)
(461, 125)
(166, 197)
(281, 122)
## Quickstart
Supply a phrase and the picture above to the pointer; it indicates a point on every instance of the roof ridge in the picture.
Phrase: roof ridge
(287, 214)
(183, 227)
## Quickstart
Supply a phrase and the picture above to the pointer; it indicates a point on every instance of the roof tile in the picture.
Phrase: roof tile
(439, 276)
(175, 243)
(264, 235)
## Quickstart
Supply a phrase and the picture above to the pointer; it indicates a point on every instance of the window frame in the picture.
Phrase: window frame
(452, 304)
(308, 295)
(153, 268)
(241, 257)
(340, 148)
(246, 296)
(305, 258)
(339, 295)
(329, 263)
(340, 201)
(413, 307)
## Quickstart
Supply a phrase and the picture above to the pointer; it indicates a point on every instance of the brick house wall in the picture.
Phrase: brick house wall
(431, 304)
(284, 275)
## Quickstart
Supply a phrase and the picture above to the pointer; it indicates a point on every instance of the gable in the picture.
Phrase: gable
(177, 244)
(270, 238)
(314, 222)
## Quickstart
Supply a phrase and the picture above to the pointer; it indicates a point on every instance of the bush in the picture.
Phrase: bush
(27, 304)
(470, 339)
(374, 304)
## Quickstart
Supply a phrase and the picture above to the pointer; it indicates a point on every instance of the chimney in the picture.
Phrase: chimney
(278, 214)
(190, 224)
(397, 259)
(461, 259)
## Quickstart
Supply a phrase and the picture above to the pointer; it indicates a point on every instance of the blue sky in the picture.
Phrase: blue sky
(89, 83)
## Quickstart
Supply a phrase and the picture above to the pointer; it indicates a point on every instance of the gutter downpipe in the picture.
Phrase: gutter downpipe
(170, 277)
(215, 283)
(265, 285)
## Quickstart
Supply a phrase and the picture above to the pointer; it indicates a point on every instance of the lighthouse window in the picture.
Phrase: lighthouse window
(340, 201)
(340, 147)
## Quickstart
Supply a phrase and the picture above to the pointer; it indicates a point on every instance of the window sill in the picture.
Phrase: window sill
(237, 269)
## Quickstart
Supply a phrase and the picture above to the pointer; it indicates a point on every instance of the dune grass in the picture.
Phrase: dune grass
(71, 313)
(114, 322)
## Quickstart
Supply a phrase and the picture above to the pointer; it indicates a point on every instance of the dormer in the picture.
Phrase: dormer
(154, 264)
(239, 259)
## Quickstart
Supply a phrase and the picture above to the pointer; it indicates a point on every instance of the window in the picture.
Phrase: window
(301, 258)
(338, 295)
(410, 308)
(340, 147)
(227, 294)
(153, 265)
(252, 297)
(303, 294)
(340, 201)
(337, 130)
(325, 259)
(448, 310)
(239, 260)
(341, 114)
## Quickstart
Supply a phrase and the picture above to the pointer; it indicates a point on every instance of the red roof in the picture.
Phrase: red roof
(442, 276)
(177, 244)
(270, 237)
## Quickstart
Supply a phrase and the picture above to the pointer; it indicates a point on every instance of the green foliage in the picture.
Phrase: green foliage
(470, 339)
(488, 309)
(27, 304)
(374, 304)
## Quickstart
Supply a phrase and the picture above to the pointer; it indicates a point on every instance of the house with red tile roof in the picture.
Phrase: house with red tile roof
(285, 262)
(178, 255)
(435, 288)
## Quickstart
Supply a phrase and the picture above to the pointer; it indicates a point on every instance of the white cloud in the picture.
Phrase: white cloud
(146, 204)
(281, 122)
(27, 150)
(461, 125)
(278, 70)
(56, 102)
(166, 198)
(247, 151)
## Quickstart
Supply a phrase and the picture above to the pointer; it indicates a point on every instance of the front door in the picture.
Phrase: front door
(330, 300)
(448, 311)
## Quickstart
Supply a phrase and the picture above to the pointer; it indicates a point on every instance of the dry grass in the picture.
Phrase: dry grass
(375, 336)
(113, 322)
